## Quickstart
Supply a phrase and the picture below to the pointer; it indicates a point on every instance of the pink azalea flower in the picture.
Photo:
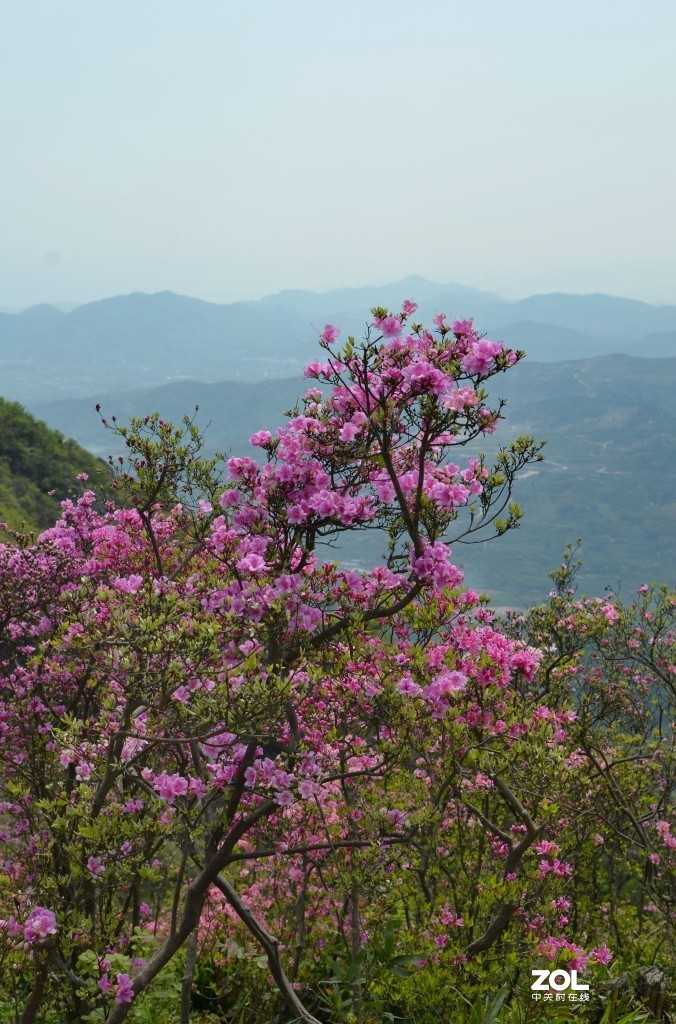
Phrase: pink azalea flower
(252, 563)
(610, 613)
(128, 585)
(481, 357)
(329, 334)
(230, 498)
(397, 818)
(426, 377)
(390, 326)
(546, 846)
(602, 955)
(463, 328)
(39, 924)
(171, 786)
(449, 681)
(260, 438)
(348, 432)
(407, 687)
(125, 989)
(95, 866)
(460, 399)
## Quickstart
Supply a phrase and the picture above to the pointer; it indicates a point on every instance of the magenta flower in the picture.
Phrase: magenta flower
(128, 585)
(390, 326)
(610, 613)
(407, 687)
(348, 432)
(602, 955)
(481, 356)
(449, 681)
(39, 924)
(95, 866)
(329, 333)
(105, 983)
(424, 376)
(229, 499)
(171, 786)
(462, 328)
(125, 989)
(398, 818)
(260, 438)
(252, 563)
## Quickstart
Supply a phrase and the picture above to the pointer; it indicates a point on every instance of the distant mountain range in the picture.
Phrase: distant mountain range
(138, 340)
(598, 384)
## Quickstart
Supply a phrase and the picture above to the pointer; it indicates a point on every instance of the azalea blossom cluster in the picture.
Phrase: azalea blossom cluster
(39, 924)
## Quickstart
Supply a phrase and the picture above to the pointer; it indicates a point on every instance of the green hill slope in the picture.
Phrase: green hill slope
(38, 469)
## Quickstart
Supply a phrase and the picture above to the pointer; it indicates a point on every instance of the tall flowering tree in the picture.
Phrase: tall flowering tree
(186, 686)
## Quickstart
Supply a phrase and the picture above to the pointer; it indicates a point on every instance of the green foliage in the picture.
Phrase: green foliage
(487, 1010)
(165, 464)
(361, 986)
(232, 983)
(38, 467)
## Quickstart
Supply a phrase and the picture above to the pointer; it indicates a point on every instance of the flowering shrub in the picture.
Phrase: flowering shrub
(209, 736)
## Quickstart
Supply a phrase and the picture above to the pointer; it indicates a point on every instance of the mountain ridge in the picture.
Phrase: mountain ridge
(411, 281)
(145, 340)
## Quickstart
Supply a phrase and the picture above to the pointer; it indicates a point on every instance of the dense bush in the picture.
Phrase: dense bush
(226, 764)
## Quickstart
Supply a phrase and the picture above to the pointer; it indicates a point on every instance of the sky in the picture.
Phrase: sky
(225, 149)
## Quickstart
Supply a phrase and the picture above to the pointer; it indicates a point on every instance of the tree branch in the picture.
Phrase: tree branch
(271, 947)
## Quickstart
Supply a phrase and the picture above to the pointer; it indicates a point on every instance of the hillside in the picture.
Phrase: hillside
(610, 427)
(38, 467)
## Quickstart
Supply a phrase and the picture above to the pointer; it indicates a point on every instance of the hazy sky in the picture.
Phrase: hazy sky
(230, 148)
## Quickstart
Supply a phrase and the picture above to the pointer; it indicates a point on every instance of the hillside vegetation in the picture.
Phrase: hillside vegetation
(38, 469)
